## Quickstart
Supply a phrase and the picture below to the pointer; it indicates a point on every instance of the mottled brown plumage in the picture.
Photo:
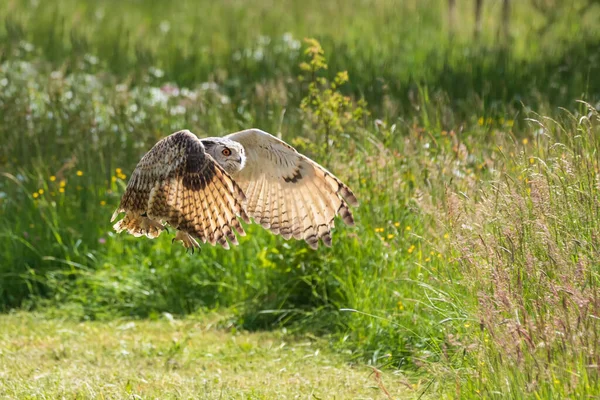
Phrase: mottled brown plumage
(287, 192)
(177, 183)
(201, 187)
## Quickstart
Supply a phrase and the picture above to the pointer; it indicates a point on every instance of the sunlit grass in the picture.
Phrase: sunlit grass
(472, 267)
(170, 358)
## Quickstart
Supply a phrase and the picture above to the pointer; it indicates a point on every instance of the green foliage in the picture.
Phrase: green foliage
(329, 113)
(474, 249)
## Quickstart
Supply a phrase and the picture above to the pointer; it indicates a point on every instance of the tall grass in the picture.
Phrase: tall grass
(475, 245)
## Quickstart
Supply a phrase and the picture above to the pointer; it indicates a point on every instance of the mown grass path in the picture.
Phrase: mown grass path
(50, 359)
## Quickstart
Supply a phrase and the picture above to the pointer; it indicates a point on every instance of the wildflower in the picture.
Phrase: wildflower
(390, 236)
(41, 191)
(408, 228)
(510, 122)
(61, 190)
(411, 249)
(122, 176)
(467, 325)
(525, 141)
(556, 381)
(444, 133)
(427, 259)
(400, 305)
(52, 178)
(35, 195)
(480, 121)
(119, 171)
(378, 230)
(396, 224)
(531, 160)
(439, 255)
(113, 178)
(446, 236)
(63, 184)
(101, 240)
(79, 173)
(102, 203)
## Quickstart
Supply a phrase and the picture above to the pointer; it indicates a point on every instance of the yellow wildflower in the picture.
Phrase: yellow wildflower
(427, 259)
(61, 190)
(52, 178)
(35, 195)
(525, 141)
(113, 178)
(118, 171)
(531, 160)
(63, 184)
(400, 305)
(390, 236)
(510, 122)
(41, 191)
(408, 228)
(102, 203)
(378, 230)
(446, 236)
(79, 173)
(467, 325)
(396, 224)
(480, 121)
(411, 249)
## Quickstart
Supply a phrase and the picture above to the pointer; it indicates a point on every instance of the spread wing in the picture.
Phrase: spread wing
(178, 183)
(289, 193)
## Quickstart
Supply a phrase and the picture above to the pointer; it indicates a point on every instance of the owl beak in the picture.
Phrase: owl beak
(239, 160)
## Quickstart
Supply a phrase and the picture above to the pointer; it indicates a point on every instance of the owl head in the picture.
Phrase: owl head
(229, 154)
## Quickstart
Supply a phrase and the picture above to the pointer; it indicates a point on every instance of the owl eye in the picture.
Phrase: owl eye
(226, 152)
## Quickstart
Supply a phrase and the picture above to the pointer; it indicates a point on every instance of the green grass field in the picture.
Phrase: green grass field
(472, 271)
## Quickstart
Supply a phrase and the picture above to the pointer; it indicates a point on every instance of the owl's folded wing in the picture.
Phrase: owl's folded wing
(178, 183)
(289, 193)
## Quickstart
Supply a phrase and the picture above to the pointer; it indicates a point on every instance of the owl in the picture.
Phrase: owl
(203, 187)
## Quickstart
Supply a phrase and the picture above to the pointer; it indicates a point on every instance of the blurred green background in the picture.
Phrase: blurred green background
(440, 135)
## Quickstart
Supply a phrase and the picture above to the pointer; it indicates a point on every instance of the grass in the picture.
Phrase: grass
(189, 358)
(472, 270)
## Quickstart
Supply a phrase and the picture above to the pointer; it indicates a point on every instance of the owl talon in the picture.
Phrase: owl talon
(188, 242)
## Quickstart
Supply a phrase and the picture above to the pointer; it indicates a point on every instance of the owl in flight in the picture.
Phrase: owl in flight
(200, 187)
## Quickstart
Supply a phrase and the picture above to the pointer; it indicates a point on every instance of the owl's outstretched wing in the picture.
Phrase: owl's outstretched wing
(289, 193)
(178, 183)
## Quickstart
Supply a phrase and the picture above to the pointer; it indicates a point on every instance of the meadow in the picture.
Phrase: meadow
(472, 270)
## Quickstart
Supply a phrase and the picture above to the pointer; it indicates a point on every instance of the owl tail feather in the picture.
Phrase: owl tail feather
(138, 225)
